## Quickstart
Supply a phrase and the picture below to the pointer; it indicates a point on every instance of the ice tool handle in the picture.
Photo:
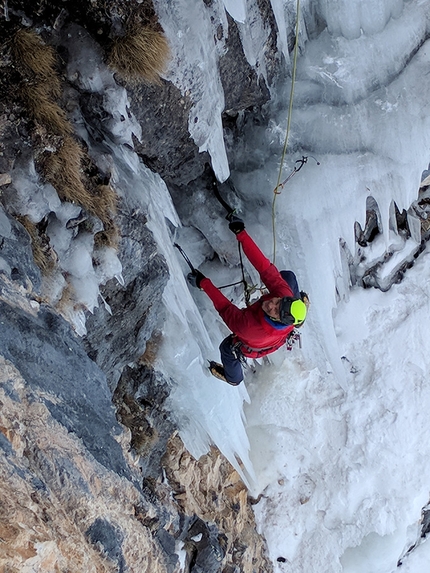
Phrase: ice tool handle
(230, 211)
(248, 289)
(184, 254)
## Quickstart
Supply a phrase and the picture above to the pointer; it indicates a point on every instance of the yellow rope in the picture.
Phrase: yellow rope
(277, 191)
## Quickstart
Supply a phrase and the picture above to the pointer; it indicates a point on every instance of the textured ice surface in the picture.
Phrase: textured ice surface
(337, 431)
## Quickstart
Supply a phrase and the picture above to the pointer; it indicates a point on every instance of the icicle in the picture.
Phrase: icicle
(106, 305)
(120, 279)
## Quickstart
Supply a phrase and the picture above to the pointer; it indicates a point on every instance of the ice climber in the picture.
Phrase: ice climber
(266, 324)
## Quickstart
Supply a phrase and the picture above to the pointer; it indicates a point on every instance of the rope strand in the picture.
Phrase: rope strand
(276, 191)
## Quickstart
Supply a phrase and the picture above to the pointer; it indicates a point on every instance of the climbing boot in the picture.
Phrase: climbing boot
(217, 370)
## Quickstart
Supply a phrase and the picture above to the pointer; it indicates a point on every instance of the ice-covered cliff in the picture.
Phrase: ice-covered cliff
(93, 473)
(117, 119)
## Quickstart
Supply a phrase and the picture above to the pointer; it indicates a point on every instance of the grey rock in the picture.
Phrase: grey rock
(50, 358)
(15, 250)
(117, 339)
(107, 539)
(166, 147)
(140, 401)
(243, 86)
(205, 546)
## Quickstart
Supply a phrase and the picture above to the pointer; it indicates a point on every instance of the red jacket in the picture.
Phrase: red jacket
(257, 335)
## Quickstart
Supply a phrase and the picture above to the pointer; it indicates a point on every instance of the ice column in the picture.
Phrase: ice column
(194, 70)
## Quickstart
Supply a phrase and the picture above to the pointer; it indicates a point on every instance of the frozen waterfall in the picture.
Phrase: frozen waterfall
(333, 435)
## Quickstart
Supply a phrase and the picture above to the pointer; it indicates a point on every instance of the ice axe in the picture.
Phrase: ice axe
(184, 254)
(194, 270)
(230, 210)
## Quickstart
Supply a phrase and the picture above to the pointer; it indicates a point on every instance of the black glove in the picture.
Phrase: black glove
(236, 225)
(195, 278)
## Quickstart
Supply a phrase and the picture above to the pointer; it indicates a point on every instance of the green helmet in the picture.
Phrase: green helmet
(299, 311)
(292, 311)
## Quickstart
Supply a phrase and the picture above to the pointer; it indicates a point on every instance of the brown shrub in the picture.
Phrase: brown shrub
(141, 54)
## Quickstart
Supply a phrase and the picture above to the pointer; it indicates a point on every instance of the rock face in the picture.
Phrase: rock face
(223, 503)
(16, 259)
(93, 477)
(69, 495)
(118, 337)
(140, 400)
(167, 147)
(44, 350)
(72, 496)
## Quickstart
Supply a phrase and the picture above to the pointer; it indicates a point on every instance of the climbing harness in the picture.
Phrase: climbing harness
(294, 338)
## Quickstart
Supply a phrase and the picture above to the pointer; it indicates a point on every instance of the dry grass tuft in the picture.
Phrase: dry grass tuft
(36, 59)
(42, 253)
(141, 54)
(41, 106)
(40, 85)
(152, 348)
(63, 170)
(31, 51)
(107, 202)
(67, 300)
(109, 237)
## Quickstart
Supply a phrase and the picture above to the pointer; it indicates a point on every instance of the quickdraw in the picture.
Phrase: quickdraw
(294, 338)
(296, 169)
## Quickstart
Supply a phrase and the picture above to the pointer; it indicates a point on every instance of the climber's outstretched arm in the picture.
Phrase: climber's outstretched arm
(269, 274)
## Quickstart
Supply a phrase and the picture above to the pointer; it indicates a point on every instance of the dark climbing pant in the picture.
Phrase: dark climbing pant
(230, 358)
(290, 278)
